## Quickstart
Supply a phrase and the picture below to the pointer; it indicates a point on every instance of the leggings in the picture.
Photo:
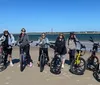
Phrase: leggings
(71, 55)
(7, 52)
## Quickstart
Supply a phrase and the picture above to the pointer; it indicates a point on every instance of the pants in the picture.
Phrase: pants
(7, 52)
(45, 50)
(71, 55)
(26, 49)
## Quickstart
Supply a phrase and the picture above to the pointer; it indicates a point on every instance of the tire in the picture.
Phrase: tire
(75, 69)
(21, 63)
(42, 62)
(55, 66)
(2, 67)
(95, 75)
(1, 59)
(91, 65)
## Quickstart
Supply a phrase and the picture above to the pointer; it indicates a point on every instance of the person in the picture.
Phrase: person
(8, 41)
(23, 41)
(72, 44)
(43, 46)
(60, 47)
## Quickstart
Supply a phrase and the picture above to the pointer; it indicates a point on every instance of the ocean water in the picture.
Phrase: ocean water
(52, 37)
(81, 37)
(84, 38)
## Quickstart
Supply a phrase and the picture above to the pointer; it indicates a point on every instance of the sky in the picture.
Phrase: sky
(44, 15)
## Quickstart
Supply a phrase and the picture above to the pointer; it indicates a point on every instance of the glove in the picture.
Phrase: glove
(36, 44)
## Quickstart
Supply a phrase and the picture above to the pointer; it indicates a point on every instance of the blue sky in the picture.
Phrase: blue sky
(42, 15)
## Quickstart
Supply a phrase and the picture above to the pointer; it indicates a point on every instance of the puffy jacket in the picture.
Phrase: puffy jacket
(11, 39)
(60, 46)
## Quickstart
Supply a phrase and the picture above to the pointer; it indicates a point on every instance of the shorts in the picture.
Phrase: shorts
(8, 51)
(62, 56)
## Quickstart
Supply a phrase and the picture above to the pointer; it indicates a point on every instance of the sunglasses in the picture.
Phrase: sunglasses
(22, 31)
(43, 35)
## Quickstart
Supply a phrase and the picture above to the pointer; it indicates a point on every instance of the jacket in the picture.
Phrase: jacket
(71, 43)
(60, 46)
(23, 40)
(43, 42)
(11, 39)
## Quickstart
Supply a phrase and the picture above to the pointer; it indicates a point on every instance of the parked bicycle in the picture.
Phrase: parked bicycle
(23, 59)
(55, 65)
(2, 56)
(43, 58)
(96, 72)
(93, 60)
(78, 65)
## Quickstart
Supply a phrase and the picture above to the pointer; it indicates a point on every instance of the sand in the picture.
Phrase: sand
(33, 76)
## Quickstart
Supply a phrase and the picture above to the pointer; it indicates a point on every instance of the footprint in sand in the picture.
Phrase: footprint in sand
(7, 83)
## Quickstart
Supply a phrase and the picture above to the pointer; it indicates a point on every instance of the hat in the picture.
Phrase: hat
(23, 29)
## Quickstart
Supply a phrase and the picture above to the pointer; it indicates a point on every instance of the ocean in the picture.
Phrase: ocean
(84, 38)
(52, 37)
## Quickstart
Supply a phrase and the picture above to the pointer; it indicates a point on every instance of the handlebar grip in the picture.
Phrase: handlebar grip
(83, 46)
(36, 44)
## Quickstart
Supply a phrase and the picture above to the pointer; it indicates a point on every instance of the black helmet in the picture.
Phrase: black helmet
(72, 33)
(23, 29)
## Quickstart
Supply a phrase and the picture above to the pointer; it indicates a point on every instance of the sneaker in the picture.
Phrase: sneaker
(19, 65)
(62, 66)
(11, 64)
(31, 64)
(38, 64)
(48, 64)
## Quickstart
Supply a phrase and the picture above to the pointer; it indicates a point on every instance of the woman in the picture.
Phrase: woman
(7, 42)
(60, 45)
(43, 46)
(71, 43)
(24, 44)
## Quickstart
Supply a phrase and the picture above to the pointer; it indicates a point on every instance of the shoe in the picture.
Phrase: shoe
(38, 64)
(31, 64)
(11, 64)
(62, 66)
(48, 64)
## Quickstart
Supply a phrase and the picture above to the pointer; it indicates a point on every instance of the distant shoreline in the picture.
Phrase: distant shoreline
(54, 33)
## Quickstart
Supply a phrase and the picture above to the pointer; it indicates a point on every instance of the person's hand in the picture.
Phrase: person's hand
(36, 44)
(13, 44)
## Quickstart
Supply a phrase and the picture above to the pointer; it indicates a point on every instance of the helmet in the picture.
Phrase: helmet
(71, 33)
(5, 31)
(23, 29)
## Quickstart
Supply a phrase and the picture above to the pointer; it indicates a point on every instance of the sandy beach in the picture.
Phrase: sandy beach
(33, 76)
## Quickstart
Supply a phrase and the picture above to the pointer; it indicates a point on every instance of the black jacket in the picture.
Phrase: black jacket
(60, 46)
